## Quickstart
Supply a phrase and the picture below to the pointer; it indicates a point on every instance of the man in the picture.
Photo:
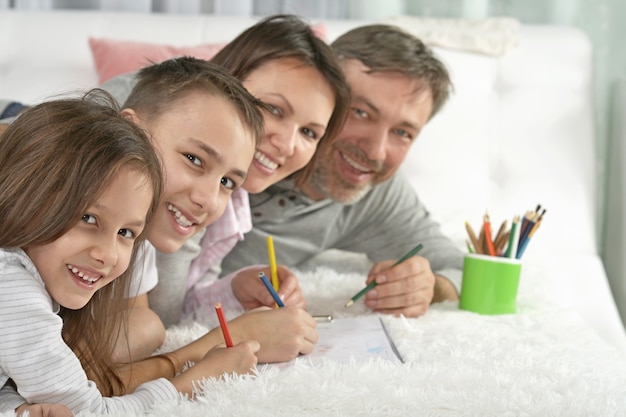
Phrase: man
(356, 200)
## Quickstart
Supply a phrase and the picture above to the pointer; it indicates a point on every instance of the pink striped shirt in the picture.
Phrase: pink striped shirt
(203, 286)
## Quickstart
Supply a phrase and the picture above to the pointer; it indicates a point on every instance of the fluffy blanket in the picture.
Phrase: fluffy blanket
(542, 361)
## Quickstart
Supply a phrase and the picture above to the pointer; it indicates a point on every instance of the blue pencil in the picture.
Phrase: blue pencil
(522, 248)
(271, 290)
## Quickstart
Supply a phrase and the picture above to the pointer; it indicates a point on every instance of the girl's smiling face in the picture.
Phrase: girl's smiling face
(206, 151)
(97, 249)
(302, 103)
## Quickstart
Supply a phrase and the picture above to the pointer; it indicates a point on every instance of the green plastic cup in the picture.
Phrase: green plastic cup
(490, 284)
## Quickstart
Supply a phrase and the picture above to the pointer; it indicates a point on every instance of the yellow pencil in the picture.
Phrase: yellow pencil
(273, 267)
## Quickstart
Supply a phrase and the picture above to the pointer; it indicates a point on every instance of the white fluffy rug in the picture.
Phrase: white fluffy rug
(542, 361)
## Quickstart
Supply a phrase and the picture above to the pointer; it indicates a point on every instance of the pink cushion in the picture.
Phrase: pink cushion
(113, 57)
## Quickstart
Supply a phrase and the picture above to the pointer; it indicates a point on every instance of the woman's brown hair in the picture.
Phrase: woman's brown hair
(57, 158)
(288, 36)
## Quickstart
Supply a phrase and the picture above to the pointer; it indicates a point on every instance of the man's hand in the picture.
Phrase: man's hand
(406, 288)
(444, 290)
(251, 292)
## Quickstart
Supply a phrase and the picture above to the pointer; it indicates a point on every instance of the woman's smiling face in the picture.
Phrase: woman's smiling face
(302, 103)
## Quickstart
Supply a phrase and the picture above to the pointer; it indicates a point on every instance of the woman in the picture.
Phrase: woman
(295, 74)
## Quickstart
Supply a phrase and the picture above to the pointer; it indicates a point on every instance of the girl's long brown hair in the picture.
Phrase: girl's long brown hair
(55, 161)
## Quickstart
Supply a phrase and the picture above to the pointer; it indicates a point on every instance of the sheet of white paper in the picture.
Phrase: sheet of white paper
(361, 338)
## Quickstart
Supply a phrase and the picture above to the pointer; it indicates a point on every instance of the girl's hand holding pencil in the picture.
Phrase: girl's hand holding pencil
(240, 359)
(506, 243)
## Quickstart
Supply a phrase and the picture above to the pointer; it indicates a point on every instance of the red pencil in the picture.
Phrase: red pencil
(223, 325)
(487, 228)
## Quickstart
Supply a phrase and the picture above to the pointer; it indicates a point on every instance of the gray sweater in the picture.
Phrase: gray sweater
(385, 224)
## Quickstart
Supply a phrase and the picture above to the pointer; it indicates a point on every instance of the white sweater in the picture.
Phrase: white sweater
(34, 355)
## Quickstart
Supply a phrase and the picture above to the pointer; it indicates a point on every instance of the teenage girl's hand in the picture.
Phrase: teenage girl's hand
(251, 293)
(283, 333)
(240, 359)
(44, 410)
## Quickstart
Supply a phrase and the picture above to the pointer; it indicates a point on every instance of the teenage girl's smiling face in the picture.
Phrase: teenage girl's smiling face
(97, 249)
(206, 151)
(301, 103)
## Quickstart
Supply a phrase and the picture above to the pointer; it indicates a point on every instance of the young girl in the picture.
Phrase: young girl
(78, 185)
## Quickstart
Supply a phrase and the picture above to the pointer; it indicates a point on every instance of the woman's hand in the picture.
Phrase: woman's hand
(251, 292)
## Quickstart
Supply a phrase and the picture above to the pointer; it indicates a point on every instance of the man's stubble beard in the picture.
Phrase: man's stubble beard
(332, 185)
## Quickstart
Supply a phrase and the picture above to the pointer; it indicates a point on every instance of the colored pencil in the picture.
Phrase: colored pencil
(530, 225)
(223, 325)
(525, 226)
(487, 228)
(271, 290)
(272, 257)
(472, 236)
(323, 319)
(501, 242)
(470, 248)
(511, 250)
(524, 244)
(500, 231)
(481, 242)
(372, 284)
(500, 239)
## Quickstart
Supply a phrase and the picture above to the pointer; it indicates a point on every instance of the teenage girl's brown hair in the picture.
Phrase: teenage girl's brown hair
(288, 36)
(159, 86)
(57, 158)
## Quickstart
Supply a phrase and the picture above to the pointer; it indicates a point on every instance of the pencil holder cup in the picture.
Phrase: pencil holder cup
(490, 284)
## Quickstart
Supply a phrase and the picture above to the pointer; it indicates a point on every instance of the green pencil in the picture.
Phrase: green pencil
(372, 284)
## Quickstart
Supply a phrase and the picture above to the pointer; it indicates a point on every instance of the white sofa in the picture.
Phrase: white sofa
(518, 131)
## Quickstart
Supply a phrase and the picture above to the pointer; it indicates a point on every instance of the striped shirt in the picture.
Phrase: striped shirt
(203, 287)
(34, 355)
(221, 237)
